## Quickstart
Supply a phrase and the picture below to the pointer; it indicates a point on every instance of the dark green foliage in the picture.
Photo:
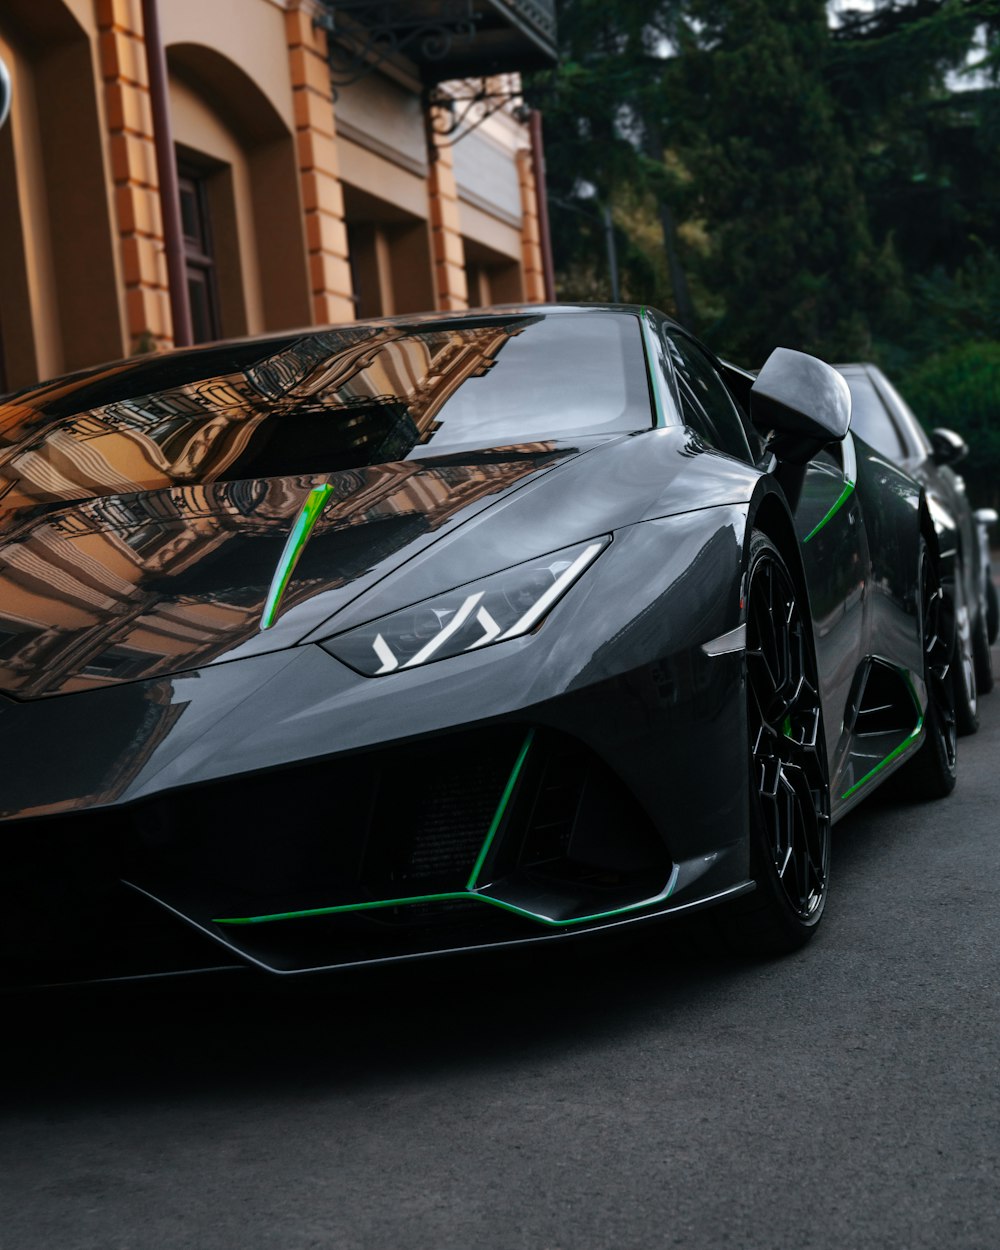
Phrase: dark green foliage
(926, 154)
(960, 388)
(610, 75)
(825, 184)
(954, 307)
(774, 181)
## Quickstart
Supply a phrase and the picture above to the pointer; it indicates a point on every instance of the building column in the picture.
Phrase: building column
(319, 169)
(133, 168)
(451, 290)
(531, 248)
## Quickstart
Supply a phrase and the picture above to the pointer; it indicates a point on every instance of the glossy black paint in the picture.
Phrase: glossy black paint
(948, 447)
(804, 400)
(619, 667)
(5, 93)
(380, 517)
(883, 418)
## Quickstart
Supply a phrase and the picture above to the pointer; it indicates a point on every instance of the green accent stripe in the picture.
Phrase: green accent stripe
(845, 494)
(296, 541)
(498, 815)
(455, 896)
(470, 892)
(664, 894)
(343, 907)
(903, 746)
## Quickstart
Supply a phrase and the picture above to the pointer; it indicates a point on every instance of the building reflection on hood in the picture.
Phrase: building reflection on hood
(142, 532)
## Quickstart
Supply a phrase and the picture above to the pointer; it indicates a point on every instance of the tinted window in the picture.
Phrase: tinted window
(869, 418)
(558, 375)
(705, 402)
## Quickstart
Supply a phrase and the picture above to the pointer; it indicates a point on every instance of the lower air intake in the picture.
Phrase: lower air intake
(396, 823)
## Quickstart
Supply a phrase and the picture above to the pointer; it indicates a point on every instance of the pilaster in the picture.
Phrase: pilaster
(451, 291)
(531, 249)
(133, 169)
(319, 169)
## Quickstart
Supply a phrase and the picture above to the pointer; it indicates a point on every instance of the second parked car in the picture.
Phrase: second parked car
(883, 419)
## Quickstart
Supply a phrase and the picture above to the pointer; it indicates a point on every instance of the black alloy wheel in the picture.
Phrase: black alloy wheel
(789, 781)
(981, 647)
(932, 771)
(963, 670)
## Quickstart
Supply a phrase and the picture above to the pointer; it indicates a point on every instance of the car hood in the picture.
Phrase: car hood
(129, 587)
(125, 587)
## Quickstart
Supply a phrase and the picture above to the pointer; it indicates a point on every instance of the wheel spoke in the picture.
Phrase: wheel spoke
(937, 659)
(785, 739)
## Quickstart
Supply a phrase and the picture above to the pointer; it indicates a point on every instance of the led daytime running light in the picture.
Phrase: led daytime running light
(506, 605)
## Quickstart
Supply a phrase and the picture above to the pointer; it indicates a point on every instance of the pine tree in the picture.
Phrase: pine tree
(928, 147)
(602, 110)
(774, 179)
(818, 178)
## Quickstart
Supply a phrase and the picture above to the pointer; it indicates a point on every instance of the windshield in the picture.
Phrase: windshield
(558, 375)
(325, 402)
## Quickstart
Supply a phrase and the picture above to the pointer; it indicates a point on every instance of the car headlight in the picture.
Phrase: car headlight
(493, 609)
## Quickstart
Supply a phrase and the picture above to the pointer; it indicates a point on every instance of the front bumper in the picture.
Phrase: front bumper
(293, 815)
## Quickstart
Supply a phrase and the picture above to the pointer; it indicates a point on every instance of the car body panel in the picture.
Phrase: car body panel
(297, 815)
(903, 442)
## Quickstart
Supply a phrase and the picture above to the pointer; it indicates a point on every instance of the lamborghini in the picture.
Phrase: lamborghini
(447, 632)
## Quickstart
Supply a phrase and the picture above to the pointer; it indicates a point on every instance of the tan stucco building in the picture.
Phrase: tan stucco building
(304, 199)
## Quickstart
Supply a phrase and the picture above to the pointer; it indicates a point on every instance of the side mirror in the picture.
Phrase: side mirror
(805, 402)
(947, 447)
(5, 92)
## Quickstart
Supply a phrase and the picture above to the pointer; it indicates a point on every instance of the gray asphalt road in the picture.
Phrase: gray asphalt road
(635, 1096)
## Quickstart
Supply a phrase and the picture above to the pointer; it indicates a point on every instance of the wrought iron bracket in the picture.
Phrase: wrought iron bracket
(365, 34)
(455, 115)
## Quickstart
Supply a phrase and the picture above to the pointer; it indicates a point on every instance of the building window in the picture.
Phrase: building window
(492, 276)
(201, 277)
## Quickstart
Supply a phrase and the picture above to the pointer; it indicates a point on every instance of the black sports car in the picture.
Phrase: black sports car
(884, 420)
(430, 634)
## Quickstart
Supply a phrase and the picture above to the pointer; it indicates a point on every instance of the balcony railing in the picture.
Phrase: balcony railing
(443, 39)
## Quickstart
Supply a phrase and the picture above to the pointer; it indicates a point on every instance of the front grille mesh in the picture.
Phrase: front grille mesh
(453, 820)
(312, 844)
(386, 824)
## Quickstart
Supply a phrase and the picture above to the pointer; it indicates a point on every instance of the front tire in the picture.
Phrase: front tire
(981, 651)
(964, 675)
(933, 770)
(789, 782)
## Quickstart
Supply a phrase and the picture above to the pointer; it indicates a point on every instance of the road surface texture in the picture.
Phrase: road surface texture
(644, 1094)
